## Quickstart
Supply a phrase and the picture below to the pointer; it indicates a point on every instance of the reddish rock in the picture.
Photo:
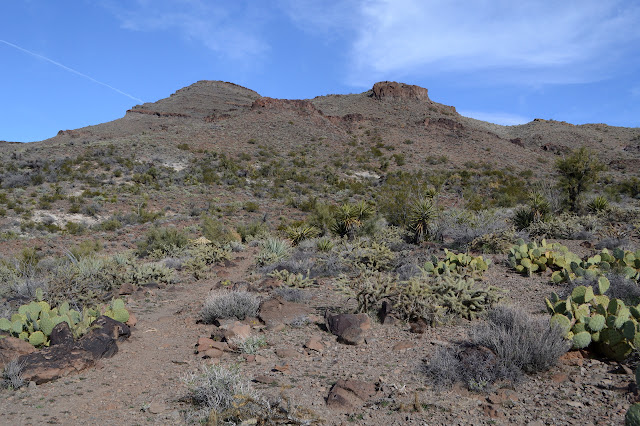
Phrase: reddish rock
(237, 330)
(287, 353)
(315, 344)
(279, 311)
(349, 328)
(132, 321)
(400, 346)
(419, 326)
(126, 288)
(350, 394)
(12, 348)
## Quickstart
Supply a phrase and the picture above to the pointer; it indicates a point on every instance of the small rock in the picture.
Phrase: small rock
(157, 407)
(287, 353)
(132, 321)
(211, 353)
(315, 344)
(265, 380)
(400, 346)
(350, 394)
(419, 327)
(559, 378)
(126, 288)
(237, 329)
(575, 404)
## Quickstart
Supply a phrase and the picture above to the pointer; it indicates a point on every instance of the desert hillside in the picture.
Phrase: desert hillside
(375, 258)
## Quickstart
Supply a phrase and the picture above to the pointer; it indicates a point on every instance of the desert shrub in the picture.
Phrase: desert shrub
(292, 294)
(215, 231)
(162, 240)
(365, 253)
(111, 224)
(476, 368)
(151, 272)
(12, 375)
(509, 344)
(272, 250)
(216, 389)
(520, 340)
(252, 230)
(238, 304)
(86, 248)
(249, 344)
(564, 226)
(578, 172)
(459, 227)
(494, 242)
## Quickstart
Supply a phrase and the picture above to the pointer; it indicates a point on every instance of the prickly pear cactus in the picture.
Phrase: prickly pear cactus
(632, 418)
(589, 319)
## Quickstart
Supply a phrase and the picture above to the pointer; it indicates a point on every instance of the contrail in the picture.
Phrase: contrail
(64, 67)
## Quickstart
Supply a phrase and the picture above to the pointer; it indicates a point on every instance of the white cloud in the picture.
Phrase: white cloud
(229, 28)
(503, 118)
(535, 41)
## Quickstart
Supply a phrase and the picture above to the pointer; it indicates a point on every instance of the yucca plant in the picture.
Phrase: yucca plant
(420, 217)
(598, 204)
(301, 232)
(273, 249)
(349, 217)
(325, 245)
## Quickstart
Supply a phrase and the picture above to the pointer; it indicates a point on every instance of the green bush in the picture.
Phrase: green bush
(162, 240)
(578, 172)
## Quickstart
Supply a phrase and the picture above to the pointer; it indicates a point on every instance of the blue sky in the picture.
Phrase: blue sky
(68, 64)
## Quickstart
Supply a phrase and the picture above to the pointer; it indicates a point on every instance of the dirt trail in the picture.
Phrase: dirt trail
(141, 383)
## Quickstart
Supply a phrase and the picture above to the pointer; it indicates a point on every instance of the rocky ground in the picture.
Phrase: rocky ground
(379, 380)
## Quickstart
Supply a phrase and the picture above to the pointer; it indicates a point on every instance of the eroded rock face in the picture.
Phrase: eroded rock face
(393, 90)
(71, 356)
(299, 105)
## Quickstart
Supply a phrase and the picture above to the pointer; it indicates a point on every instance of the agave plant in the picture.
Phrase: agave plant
(420, 217)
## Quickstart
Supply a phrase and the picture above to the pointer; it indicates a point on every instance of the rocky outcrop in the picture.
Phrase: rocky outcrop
(298, 105)
(12, 348)
(393, 90)
(70, 356)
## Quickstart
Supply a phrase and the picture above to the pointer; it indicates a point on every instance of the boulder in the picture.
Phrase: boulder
(349, 328)
(69, 356)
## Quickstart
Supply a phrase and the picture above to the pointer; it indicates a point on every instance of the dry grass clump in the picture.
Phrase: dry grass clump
(238, 304)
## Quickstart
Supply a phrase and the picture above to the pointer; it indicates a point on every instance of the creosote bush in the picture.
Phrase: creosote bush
(162, 240)
(238, 304)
